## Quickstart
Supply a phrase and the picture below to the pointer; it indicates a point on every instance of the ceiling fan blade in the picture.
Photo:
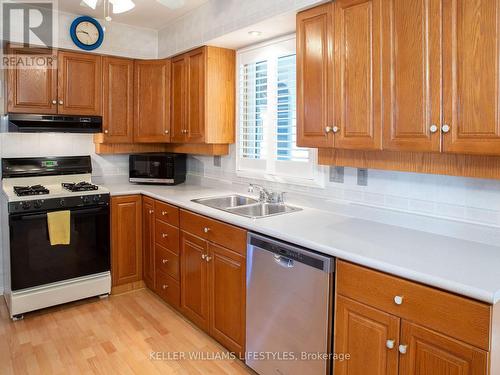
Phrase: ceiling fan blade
(172, 4)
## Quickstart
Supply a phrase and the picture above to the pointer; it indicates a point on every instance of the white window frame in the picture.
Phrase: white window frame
(267, 169)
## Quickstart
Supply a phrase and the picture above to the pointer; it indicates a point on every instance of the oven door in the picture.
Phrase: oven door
(34, 261)
(151, 169)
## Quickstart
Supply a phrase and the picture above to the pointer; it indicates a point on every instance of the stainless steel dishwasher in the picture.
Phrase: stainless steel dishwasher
(289, 308)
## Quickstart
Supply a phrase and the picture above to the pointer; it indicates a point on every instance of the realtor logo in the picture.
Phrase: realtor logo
(30, 23)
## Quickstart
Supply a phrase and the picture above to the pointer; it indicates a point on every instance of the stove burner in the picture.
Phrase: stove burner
(80, 186)
(30, 190)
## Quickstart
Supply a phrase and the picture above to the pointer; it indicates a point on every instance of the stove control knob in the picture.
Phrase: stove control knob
(37, 204)
(26, 205)
(97, 198)
(61, 202)
(85, 200)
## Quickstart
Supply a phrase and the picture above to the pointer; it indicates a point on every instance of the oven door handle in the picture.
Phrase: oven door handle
(73, 212)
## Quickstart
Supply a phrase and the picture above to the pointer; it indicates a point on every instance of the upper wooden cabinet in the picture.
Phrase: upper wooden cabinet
(315, 76)
(152, 101)
(357, 63)
(412, 74)
(79, 83)
(338, 75)
(118, 96)
(203, 96)
(74, 88)
(126, 239)
(471, 49)
(31, 90)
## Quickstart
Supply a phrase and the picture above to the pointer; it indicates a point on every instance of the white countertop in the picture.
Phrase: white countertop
(468, 268)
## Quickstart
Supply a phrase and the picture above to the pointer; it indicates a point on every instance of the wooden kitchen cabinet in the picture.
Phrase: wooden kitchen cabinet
(428, 352)
(412, 67)
(430, 331)
(227, 285)
(315, 76)
(203, 96)
(126, 239)
(79, 83)
(32, 90)
(370, 336)
(194, 280)
(148, 242)
(118, 100)
(152, 101)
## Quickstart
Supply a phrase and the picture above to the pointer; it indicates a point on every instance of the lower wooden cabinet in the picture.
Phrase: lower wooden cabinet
(126, 239)
(369, 336)
(148, 242)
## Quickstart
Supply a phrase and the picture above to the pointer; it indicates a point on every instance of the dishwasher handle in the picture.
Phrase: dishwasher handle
(287, 254)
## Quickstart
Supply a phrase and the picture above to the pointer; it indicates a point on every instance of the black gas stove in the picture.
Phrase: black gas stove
(79, 186)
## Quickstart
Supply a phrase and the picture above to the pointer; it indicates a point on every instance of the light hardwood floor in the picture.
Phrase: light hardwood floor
(109, 336)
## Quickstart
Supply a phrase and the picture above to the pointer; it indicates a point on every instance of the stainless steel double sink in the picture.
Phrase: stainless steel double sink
(246, 206)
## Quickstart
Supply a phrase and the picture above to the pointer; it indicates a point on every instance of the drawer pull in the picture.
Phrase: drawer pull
(208, 259)
(203, 256)
(389, 344)
(164, 213)
(164, 261)
(398, 300)
(402, 349)
(164, 286)
(151, 212)
(164, 235)
(206, 229)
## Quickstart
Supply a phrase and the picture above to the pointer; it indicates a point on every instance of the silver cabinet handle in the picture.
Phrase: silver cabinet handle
(151, 212)
(164, 213)
(164, 261)
(328, 129)
(433, 128)
(164, 235)
(208, 259)
(402, 349)
(203, 256)
(54, 101)
(335, 129)
(206, 229)
(166, 131)
(398, 300)
(445, 128)
(389, 344)
(164, 286)
(106, 131)
(61, 102)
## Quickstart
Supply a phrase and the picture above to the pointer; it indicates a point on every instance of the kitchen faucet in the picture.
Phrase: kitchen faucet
(267, 196)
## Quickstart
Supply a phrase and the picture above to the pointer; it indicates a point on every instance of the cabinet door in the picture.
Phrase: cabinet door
(148, 242)
(178, 100)
(118, 99)
(357, 74)
(428, 352)
(315, 76)
(196, 62)
(471, 50)
(79, 83)
(412, 74)
(126, 234)
(194, 280)
(366, 334)
(152, 101)
(32, 90)
(227, 297)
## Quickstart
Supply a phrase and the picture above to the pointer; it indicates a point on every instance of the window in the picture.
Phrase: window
(267, 121)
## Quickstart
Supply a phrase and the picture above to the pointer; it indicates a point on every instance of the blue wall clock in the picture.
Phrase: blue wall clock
(87, 33)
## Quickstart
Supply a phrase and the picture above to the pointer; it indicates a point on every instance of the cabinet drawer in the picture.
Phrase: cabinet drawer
(167, 261)
(167, 213)
(227, 235)
(168, 289)
(167, 236)
(459, 317)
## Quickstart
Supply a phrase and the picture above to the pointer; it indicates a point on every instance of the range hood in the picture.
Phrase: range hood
(29, 123)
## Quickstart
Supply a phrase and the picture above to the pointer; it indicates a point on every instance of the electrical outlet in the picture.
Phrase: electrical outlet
(362, 177)
(337, 174)
(217, 161)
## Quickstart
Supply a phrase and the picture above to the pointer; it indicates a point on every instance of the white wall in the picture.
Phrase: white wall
(219, 17)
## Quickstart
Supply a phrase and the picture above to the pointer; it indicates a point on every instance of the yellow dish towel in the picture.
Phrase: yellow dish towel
(59, 223)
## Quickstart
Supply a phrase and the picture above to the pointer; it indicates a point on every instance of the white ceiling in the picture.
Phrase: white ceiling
(147, 13)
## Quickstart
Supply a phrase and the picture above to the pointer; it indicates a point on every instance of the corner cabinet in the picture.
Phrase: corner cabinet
(393, 326)
(152, 101)
(126, 239)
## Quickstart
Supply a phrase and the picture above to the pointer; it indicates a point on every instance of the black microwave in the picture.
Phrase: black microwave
(157, 168)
